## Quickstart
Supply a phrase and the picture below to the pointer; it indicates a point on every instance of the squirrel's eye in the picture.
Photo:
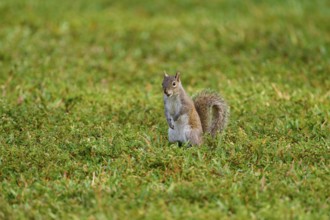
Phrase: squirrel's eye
(174, 83)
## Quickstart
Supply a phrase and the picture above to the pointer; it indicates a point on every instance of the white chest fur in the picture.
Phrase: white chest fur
(182, 128)
(173, 104)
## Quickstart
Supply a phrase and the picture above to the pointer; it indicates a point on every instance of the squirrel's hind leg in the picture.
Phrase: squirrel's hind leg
(195, 137)
(191, 137)
(172, 136)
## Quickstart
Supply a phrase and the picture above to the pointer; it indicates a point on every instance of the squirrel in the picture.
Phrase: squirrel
(188, 119)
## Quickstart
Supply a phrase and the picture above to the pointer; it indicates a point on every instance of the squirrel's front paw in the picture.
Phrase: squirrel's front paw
(170, 124)
(176, 117)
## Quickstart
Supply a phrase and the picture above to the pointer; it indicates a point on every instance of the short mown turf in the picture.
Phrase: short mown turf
(82, 129)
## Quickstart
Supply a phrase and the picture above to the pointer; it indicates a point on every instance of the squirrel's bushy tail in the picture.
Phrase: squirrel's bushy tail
(212, 110)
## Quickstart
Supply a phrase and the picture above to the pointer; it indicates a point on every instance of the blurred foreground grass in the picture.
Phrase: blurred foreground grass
(82, 131)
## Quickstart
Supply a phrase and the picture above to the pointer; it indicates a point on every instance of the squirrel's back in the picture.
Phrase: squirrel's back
(212, 110)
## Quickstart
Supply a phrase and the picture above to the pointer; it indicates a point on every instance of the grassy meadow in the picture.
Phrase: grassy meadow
(82, 130)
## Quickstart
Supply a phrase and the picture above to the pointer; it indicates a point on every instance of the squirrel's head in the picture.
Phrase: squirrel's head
(171, 84)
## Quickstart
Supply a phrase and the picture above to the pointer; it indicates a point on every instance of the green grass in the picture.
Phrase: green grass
(82, 130)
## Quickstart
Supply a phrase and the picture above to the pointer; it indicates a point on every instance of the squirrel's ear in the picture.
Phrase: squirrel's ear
(165, 74)
(177, 76)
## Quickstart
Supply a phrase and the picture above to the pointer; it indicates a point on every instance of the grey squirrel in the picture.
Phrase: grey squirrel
(188, 119)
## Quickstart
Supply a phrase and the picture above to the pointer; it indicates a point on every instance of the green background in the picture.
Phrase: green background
(82, 130)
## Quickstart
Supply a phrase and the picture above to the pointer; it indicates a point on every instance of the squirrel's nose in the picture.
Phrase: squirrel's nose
(166, 92)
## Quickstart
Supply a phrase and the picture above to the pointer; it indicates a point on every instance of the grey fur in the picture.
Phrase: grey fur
(189, 118)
